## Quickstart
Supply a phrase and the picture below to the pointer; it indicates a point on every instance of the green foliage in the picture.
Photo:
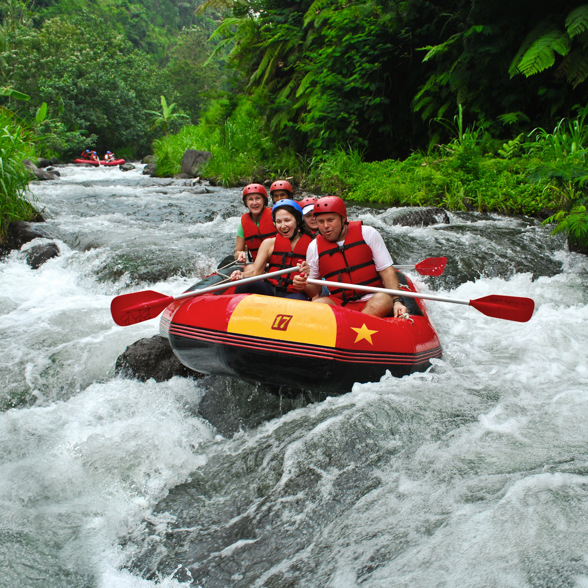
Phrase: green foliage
(15, 145)
(101, 86)
(574, 223)
(150, 25)
(537, 53)
(194, 77)
(167, 119)
(232, 132)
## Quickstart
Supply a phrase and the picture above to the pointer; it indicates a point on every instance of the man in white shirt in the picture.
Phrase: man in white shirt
(353, 254)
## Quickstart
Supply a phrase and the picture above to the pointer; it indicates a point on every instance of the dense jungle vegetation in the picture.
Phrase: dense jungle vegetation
(457, 103)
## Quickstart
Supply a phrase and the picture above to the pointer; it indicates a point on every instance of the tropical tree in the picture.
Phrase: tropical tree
(91, 75)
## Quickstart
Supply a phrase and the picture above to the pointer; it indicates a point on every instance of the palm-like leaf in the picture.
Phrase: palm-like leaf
(541, 53)
(577, 21)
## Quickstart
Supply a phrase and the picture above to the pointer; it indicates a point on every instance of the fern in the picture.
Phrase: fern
(573, 223)
(577, 21)
(541, 53)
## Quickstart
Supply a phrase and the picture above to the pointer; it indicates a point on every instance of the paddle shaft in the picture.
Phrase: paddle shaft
(136, 307)
(226, 285)
(510, 308)
(374, 289)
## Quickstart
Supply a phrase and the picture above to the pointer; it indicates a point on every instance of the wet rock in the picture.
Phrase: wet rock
(193, 161)
(126, 166)
(40, 174)
(42, 162)
(21, 232)
(232, 405)
(149, 169)
(39, 254)
(421, 217)
(151, 358)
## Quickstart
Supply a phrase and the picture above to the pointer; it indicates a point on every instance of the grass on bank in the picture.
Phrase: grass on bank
(15, 146)
(542, 173)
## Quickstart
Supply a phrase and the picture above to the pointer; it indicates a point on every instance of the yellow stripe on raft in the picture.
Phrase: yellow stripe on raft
(284, 319)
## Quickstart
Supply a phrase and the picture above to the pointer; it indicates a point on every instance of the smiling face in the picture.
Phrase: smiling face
(331, 226)
(310, 221)
(255, 203)
(285, 223)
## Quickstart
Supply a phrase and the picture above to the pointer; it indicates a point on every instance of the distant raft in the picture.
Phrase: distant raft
(101, 162)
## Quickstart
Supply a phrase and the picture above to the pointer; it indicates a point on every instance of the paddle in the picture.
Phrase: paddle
(432, 266)
(136, 307)
(510, 308)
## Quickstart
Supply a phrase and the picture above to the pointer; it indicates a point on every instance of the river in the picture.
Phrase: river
(472, 474)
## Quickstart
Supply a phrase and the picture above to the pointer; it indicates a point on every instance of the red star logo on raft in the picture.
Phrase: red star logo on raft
(364, 333)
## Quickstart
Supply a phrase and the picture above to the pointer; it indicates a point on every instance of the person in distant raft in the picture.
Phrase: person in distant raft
(281, 189)
(256, 224)
(86, 154)
(109, 156)
(286, 249)
(351, 253)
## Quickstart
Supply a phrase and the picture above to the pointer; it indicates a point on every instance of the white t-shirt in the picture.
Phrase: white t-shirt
(381, 255)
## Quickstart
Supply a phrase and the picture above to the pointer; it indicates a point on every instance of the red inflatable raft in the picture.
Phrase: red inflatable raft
(101, 162)
(298, 344)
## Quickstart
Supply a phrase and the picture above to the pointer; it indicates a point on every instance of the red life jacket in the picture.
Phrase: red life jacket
(255, 234)
(284, 256)
(351, 263)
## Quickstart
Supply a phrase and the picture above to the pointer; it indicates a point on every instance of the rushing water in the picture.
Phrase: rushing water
(472, 474)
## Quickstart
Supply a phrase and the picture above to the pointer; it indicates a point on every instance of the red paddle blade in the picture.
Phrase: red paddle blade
(136, 307)
(432, 266)
(510, 308)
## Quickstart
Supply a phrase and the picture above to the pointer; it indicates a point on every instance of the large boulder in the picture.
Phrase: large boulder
(193, 161)
(151, 358)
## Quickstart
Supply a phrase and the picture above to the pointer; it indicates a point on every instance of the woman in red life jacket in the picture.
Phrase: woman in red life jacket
(307, 205)
(281, 189)
(350, 253)
(256, 224)
(286, 249)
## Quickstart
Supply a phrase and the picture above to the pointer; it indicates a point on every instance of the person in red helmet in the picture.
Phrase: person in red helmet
(351, 253)
(256, 224)
(281, 189)
(307, 205)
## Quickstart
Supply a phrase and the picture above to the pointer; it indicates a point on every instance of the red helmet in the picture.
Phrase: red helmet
(254, 189)
(307, 201)
(331, 204)
(281, 185)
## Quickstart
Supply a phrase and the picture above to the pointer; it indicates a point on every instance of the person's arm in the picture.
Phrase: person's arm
(240, 248)
(308, 268)
(258, 266)
(390, 280)
(240, 251)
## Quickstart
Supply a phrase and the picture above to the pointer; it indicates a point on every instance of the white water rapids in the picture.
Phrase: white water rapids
(472, 474)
